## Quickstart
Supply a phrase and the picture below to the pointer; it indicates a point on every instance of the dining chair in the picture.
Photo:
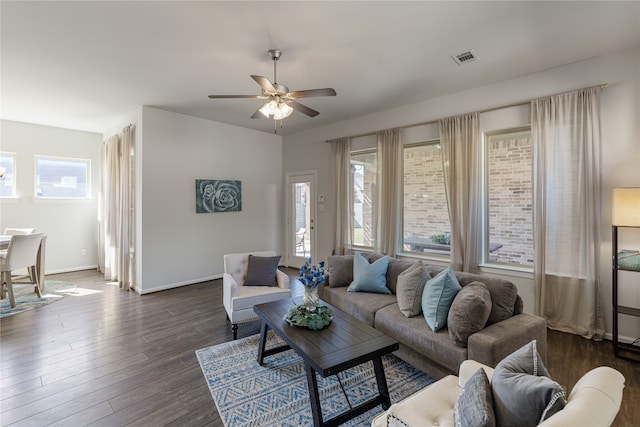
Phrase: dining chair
(22, 253)
(16, 231)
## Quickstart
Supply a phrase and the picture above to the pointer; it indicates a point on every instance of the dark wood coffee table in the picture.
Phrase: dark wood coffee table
(345, 343)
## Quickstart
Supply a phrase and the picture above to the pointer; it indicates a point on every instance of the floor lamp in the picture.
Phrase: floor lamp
(626, 213)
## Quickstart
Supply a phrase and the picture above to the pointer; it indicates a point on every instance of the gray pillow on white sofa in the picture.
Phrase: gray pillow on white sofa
(523, 393)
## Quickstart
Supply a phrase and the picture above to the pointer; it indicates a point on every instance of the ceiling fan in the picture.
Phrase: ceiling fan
(280, 101)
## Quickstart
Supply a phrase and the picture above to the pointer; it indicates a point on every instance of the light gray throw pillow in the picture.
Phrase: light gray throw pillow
(340, 269)
(523, 393)
(474, 406)
(469, 312)
(409, 289)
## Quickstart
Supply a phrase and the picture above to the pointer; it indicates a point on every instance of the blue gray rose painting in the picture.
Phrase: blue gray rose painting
(216, 195)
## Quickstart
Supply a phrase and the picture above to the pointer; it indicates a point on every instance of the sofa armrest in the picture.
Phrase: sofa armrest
(282, 279)
(493, 343)
(470, 367)
(594, 401)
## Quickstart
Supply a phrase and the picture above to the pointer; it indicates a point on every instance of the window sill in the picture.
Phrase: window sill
(507, 270)
(60, 200)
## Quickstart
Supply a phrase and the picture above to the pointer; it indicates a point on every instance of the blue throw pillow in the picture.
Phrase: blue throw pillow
(437, 297)
(369, 277)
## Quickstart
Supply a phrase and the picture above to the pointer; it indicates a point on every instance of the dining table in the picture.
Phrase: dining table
(4, 244)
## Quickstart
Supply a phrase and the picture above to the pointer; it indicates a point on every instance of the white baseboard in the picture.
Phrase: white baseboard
(621, 338)
(70, 270)
(178, 284)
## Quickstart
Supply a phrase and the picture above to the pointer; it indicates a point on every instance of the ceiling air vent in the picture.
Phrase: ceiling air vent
(465, 57)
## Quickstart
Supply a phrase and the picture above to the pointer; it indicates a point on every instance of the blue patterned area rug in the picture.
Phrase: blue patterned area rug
(247, 394)
(27, 299)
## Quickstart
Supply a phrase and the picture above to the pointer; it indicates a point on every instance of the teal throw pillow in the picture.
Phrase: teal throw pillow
(437, 297)
(369, 277)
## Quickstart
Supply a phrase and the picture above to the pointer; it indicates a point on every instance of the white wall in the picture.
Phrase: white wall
(178, 246)
(70, 226)
(620, 111)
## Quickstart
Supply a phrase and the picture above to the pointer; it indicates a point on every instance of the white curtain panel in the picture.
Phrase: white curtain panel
(460, 143)
(567, 162)
(341, 152)
(114, 259)
(109, 199)
(390, 158)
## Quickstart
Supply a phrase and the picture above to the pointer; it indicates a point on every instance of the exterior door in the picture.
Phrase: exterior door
(301, 217)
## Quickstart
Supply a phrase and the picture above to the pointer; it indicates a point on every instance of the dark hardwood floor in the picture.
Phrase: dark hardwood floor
(113, 358)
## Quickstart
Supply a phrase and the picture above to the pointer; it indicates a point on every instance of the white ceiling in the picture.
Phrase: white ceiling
(88, 65)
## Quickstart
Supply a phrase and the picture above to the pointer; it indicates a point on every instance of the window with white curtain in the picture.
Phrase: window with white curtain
(8, 180)
(364, 171)
(62, 178)
(426, 225)
(508, 230)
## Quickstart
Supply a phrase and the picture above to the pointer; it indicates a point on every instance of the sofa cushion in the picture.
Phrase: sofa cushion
(503, 295)
(409, 289)
(340, 269)
(474, 406)
(437, 297)
(361, 305)
(261, 271)
(396, 266)
(413, 333)
(369, 277)
(469, 312)
(523, 393)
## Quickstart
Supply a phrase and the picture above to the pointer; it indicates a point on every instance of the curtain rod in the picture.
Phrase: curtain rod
(602, 86)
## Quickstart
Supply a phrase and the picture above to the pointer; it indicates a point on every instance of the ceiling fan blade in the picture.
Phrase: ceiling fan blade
(236, 96)
(327, 91)
(264, 83)
(303, 108)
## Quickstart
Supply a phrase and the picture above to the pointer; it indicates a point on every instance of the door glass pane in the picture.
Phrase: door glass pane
(301, 218)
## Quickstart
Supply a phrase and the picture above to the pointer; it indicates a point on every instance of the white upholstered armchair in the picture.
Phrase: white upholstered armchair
(239, 298)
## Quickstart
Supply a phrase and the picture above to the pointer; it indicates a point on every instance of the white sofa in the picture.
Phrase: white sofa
(593, 402)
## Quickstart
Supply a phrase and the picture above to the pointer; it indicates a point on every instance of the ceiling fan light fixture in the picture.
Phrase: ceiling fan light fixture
(276, 110)
(282, 112)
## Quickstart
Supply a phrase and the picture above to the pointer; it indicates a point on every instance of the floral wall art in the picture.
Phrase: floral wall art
(216, 195)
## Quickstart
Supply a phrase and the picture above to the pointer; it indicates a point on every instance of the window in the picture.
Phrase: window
(426, 226)
(364, 169)
(8, 179)
(62, 178)
(509, 192)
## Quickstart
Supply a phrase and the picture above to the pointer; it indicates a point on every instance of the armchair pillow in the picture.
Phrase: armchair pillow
(523, 393)
(369, 277)
(474, 406)
(261, 271)
(437, 297)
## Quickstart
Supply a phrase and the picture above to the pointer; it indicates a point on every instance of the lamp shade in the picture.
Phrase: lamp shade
(626, 207)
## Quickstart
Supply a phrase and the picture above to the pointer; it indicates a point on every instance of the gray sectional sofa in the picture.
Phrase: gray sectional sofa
(435, 353)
